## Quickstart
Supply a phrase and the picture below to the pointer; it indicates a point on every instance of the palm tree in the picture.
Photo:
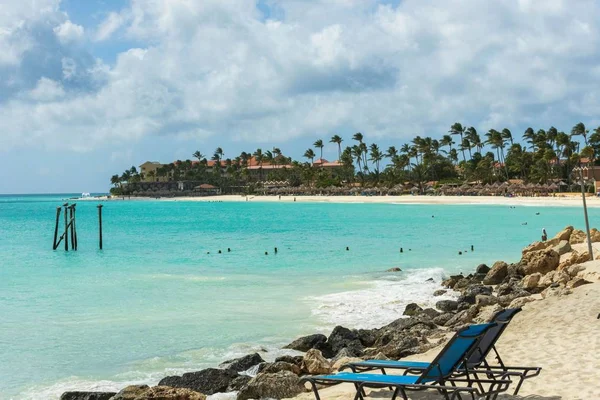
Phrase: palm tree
(495, 140)
(319, 145)
(198, 155)
(310, 154)
(391, 152)
(579, 130)
(507, 136)
(530, 137)
(447, 141)
(458, 129)
(363, 147)
(474, 140)
(376, 156)
(115, 180)
(337, 140)
(357, 154)
(258, 156)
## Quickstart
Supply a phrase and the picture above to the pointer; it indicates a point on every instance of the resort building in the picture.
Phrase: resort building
(149, 172)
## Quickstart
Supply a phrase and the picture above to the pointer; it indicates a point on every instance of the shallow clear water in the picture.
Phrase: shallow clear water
(153, 302)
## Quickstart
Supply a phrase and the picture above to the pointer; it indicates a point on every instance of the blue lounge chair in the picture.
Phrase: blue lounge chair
(476, 361)
(439, 375)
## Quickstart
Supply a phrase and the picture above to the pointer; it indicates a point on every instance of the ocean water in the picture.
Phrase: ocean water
(160, 299)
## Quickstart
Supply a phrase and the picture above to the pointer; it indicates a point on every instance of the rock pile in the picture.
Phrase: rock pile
(546, 269)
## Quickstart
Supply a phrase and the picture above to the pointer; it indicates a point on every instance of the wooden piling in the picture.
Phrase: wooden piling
(66, 227)
(74, 226)
(71, 222)
(55, 244)
(100, 223)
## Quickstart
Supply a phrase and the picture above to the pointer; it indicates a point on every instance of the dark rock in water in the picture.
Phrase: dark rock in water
(306, 343)
(281, 366)
(290, 359)
(463, 306)
(442, 319)
(472, 291)
(429, 313)
(243, 363)
(343, 337)
(87, 395)
(478, 278)
(208, 381)
(482, 269)
(452, 281)
(325, 349)
(429, 280)
(280, 385)
(446, 305)
(366, 336)
(131, 392)
(463, 283)
(440, 292)
(395, 269)
(238, 383)
(412, 309)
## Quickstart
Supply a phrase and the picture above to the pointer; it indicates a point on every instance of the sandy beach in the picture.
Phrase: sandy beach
(567, 199)
(559, 334)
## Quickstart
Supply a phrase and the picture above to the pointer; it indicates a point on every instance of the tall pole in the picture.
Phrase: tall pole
(54, 246)
(100, 223)
(66, 205)
(587, 223)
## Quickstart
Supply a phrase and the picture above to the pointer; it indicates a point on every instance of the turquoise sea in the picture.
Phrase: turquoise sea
(160, 299)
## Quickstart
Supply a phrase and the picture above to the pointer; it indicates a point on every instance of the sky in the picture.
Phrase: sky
(89, 88)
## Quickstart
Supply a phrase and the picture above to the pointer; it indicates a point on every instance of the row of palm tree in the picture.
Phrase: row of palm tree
(460, 155)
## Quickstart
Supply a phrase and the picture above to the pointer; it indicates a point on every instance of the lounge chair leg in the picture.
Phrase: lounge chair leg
(315, 390)
(519, 385)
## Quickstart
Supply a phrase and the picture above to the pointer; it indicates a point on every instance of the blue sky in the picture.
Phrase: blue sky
(89, 88)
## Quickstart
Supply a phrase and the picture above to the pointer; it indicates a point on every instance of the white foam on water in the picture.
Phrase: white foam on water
(382, 302)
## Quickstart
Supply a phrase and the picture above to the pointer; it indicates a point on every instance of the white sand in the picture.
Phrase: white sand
(569, 200)
(561, 335)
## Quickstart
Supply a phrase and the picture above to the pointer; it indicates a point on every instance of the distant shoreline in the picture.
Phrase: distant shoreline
(564, 200)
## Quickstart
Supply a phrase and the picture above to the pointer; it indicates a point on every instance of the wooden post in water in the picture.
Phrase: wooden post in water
(74, 226)
(66, 227)
(55, 245)
(71, 220)
(100, 223)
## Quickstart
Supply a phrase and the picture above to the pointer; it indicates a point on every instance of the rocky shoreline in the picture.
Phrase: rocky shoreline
(553, 268)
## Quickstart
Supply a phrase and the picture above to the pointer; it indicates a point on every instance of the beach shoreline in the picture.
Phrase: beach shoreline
(564, 200)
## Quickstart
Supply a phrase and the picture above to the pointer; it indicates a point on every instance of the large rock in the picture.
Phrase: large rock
(576, 282)
(555, 291)
(366, 336)
(440, 292)
(469, 293)
(497, 274)
(562, 248)
(542, 261)
(577, 236)
(412, 309)
(535, 246)
(290, 359)
(462, 317)
(595, 235)
(531, 281)
(239, 382)
(306, 343)
(521, 301)
(482, 269)
(442, 319)
(343, 337)
(144, 392)
(482, 300)
(243, 363)
(208, 381)
(565, 234)
(280, 385)
(314, 363)
(87, 395)
(452, 281)
(446, 305)
(486, 314)
(279, 366)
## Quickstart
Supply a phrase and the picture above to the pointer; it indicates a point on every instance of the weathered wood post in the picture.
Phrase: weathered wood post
(100, 223)
(71, 221)
(66, 205)
(74, 226)
(55, 245)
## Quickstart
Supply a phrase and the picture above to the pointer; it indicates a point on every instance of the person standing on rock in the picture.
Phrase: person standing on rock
(544, 235)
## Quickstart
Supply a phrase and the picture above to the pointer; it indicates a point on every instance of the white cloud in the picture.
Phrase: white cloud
(47, 90)
(68, 32)
(216, 67)
(109, 26)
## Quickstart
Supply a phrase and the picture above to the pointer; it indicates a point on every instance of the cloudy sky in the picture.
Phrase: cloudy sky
(88, 88)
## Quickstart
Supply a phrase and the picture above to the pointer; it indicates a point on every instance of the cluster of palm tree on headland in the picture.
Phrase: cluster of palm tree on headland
(462, 154)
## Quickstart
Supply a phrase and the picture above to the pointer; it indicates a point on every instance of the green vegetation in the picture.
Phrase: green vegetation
(461, 155)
